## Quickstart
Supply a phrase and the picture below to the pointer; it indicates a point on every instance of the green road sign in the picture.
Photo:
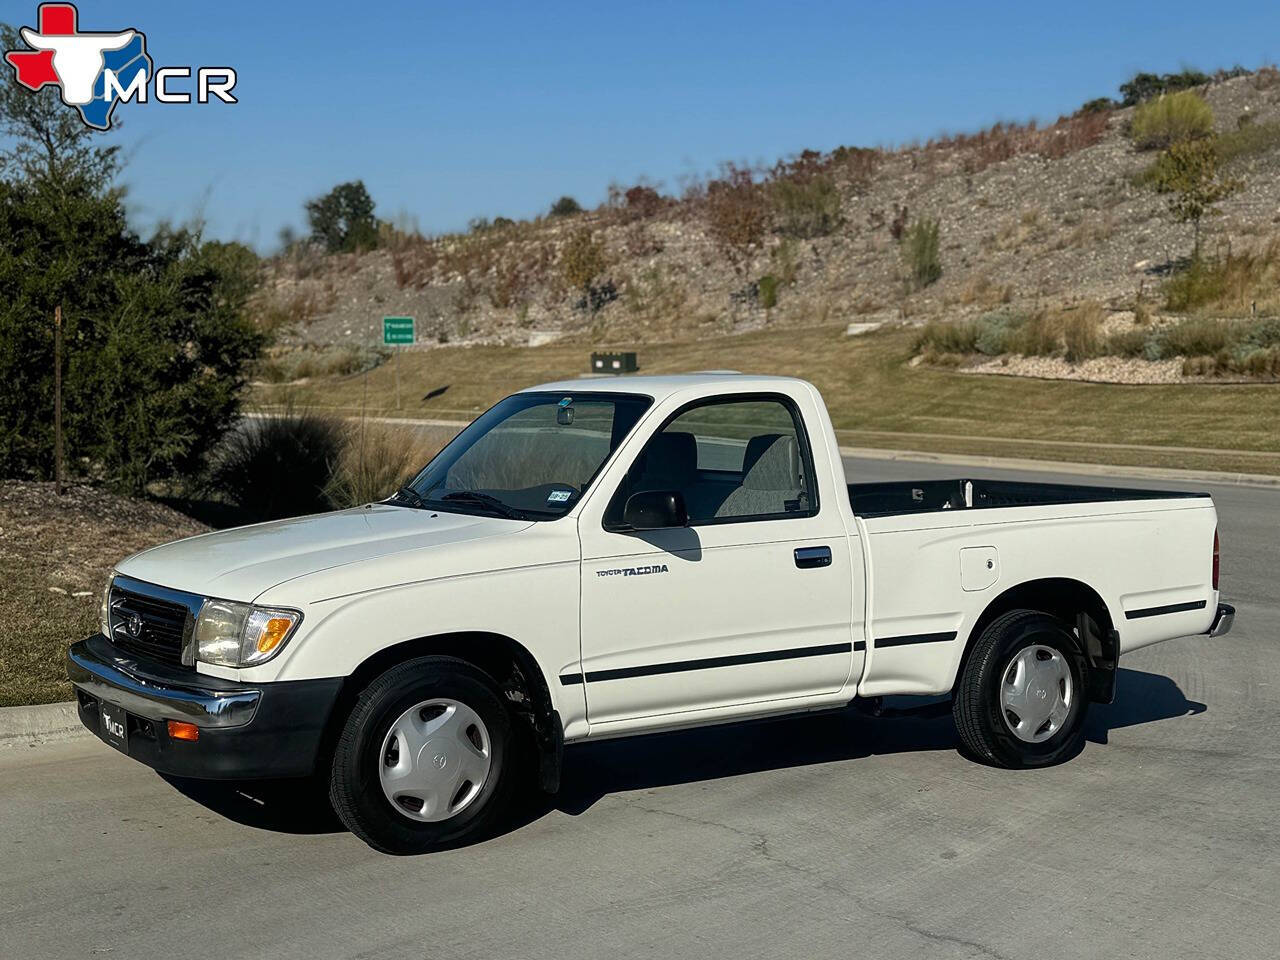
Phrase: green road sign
(397, 330)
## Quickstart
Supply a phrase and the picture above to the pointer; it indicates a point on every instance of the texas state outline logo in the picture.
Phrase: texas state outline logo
(96, 70)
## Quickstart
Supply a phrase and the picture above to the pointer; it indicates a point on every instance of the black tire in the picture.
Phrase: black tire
(355, 789)
(977, 707)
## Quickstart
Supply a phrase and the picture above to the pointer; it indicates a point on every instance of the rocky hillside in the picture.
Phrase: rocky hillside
(1026, 215)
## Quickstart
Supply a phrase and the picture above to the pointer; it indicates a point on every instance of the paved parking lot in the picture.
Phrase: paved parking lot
(826, 836)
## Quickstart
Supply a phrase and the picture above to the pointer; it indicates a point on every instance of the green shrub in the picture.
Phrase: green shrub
(279, 466)
(1190, 338)
(920, 250)
(1098, 105)
(1171, 119)
(768, 291)
(996, 331)
(1261, 334)
(1127, 343)
(1259, 363)
(582, 260)
(565, 206)
(1144, 86)
(343, 218)
(806, 208)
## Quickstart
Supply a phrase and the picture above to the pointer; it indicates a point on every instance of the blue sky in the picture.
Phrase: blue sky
(449, 111)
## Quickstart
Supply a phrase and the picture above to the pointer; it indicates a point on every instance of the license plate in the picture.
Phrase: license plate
(114, 724)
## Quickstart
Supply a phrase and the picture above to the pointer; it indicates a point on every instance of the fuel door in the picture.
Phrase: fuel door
(979, 568)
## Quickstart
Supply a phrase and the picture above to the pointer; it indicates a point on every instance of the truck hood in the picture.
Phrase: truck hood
(243, 563)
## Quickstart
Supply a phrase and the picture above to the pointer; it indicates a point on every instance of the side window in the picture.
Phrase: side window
(731, 460)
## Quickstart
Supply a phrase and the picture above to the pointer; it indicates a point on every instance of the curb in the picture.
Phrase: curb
(1262, 480)
(44, 723)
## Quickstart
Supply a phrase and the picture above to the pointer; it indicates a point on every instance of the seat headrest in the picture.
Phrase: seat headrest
(772, 462)
(671, 458)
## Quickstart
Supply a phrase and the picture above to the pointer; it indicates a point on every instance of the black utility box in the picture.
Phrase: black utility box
(613, 363)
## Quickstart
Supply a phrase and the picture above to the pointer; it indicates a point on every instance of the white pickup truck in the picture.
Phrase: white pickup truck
(608, 557)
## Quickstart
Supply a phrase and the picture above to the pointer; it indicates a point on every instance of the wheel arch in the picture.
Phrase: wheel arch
(513, 668)
(1076, 604)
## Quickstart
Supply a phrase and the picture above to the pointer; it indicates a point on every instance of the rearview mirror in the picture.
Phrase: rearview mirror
(655, 510)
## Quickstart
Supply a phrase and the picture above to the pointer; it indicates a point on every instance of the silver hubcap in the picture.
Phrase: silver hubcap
(435, 760)
(1036, 693)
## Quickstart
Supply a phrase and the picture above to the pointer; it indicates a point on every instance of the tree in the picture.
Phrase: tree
(1188, 174)
(343, 218)
(565, 206)
(157, 345)
(47, 140)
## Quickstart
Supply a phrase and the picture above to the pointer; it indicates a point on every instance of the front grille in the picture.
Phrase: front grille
(148, 626)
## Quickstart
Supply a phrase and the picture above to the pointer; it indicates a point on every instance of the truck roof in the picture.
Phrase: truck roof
(659, 386)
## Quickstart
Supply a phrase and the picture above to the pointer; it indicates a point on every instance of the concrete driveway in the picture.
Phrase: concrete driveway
(826, 836)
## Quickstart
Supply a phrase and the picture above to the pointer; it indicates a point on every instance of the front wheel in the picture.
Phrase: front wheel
(1022, 697)
(426, 758)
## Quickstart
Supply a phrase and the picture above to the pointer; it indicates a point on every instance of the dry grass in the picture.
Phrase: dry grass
(981, 291)
(1004, 141)
(276, 312)
(377, 459)
(1231, 284)
(302, 363)
(51, 549)
(869, 387)
(1087, 233)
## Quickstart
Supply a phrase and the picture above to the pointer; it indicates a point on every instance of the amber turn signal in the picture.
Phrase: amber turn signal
(273, 633)
(181, 730)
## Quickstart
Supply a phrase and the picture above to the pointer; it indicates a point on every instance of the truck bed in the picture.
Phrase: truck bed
(926, 496)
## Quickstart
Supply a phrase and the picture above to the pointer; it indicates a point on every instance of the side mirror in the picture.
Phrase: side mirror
(655, 510)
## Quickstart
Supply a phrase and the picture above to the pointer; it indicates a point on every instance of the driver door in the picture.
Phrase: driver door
(748, 604)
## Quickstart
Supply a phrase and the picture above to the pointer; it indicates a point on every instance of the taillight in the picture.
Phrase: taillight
(1217, 560)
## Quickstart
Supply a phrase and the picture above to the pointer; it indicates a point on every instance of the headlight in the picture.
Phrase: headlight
(104, 612)
(233, 634)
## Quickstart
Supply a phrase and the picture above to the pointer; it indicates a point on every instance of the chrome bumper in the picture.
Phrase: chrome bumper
(1223, 620)
(158, 692)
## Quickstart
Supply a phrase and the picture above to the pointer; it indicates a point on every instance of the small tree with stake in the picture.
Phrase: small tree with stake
(1188, 174)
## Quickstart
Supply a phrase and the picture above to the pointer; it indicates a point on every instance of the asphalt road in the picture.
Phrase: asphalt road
(825, 836)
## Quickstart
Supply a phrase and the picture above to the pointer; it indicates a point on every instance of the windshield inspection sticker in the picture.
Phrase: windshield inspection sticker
(559, 496)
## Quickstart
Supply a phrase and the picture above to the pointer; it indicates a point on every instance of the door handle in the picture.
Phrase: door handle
(807, 557)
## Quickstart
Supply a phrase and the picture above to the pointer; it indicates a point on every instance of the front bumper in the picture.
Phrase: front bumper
(246, 732)
(1223, 620)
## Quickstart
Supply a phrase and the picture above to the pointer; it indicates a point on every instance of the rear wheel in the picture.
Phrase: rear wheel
(1022, 697)
(426, 758)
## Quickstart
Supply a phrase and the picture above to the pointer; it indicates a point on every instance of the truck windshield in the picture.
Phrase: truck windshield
(530, 457)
